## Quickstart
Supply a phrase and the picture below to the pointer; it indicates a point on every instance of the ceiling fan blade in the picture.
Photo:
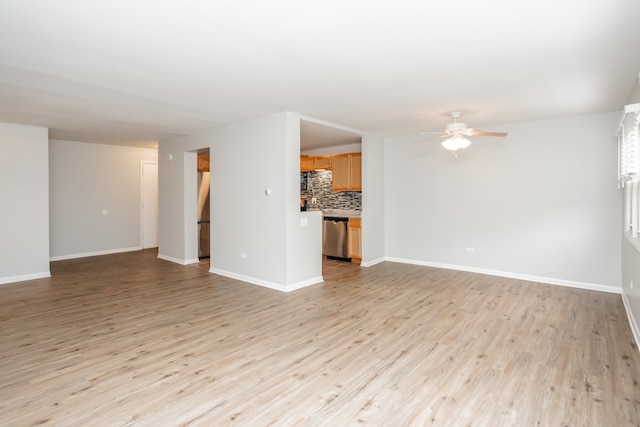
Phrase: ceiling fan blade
(476, 132)
(428, 139)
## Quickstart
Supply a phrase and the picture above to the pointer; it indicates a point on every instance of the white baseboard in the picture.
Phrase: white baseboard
(267, 284)
(539, 279)
(304, 283)
(632, 321)
(178, 260)
(24, 277)
(97, 253)
(371, 263)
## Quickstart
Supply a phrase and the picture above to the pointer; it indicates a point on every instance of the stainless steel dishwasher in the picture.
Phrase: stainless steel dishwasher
(334, 244)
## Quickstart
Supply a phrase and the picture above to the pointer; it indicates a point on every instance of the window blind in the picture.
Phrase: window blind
(628, 149)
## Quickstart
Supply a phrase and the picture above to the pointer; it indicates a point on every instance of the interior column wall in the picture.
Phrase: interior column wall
(373, 200)
(256, 226)
(24, 188)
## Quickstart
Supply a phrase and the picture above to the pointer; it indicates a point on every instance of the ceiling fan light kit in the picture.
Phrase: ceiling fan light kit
(456, 143)
(456, 132)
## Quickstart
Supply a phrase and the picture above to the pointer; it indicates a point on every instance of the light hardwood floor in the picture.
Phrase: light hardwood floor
(128, 339)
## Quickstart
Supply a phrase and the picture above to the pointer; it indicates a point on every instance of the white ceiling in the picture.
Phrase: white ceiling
(315, 135)
(136, 71)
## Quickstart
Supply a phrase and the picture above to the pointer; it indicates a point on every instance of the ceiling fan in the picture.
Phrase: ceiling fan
(457, 132)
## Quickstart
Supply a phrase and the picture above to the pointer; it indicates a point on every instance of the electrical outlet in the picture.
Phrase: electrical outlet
(314, 200)
(243, 255)
(471, 250)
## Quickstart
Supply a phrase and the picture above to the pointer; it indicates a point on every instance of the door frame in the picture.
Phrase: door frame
(142, 198)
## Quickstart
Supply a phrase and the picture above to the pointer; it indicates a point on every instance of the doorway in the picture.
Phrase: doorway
(203, 207)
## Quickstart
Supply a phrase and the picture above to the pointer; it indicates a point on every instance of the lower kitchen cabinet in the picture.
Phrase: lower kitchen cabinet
(354, 239)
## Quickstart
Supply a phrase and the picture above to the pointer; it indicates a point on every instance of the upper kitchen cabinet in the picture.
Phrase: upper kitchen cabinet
(347, 172)
(203, 163)
(308, 164)
(322, 162)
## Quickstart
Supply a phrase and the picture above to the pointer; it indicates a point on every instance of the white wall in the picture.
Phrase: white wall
(631, 295)
(373, 200)
(541, 203)
(171, 221)
(24, 195)
(85, 180)
(634, 96)
(246, 160)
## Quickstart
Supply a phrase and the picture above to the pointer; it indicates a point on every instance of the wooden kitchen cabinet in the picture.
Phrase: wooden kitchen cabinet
(354, 240)
(308, 164)
(203, 163)
(347, 172)
(322, 162)
(355, 172)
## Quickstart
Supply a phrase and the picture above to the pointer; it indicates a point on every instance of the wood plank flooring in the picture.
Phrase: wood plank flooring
(131, 340)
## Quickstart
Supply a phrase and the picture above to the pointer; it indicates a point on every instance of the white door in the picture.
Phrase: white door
(149, 205)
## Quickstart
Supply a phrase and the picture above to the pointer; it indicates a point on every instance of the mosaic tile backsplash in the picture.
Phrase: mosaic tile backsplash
(318, 184)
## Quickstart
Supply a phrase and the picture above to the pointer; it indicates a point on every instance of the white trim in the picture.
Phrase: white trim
(372, 263)
(539, 279)
(140, 205)
(630, 108)
(25, 277)
(635, 242)
(266, 284)
(632, 321)
(177, 260)
(628, 145)
(97, 253)
(304, 284)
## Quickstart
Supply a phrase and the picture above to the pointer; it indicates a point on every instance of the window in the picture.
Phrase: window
(629, 168)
